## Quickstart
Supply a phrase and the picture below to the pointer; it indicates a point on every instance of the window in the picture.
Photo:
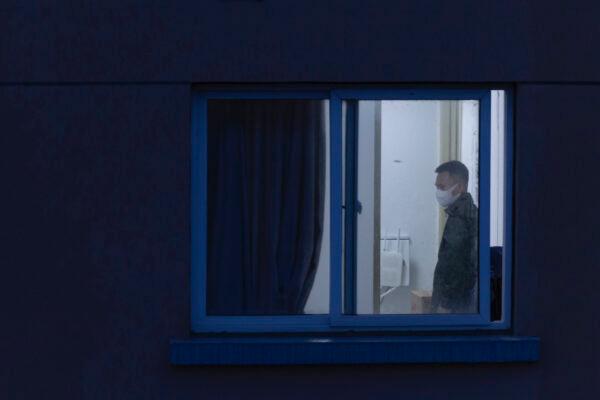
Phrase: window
(343, 209)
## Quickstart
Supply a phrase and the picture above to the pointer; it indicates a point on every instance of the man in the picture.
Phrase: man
(456, 269)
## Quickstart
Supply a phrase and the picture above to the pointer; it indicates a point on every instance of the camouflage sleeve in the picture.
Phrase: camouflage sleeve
(455, 271)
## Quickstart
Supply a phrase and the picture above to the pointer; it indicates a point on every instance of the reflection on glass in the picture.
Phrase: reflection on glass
(418, 188)
(268, 212)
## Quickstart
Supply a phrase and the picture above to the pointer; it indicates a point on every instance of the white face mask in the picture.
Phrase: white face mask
(445, 197)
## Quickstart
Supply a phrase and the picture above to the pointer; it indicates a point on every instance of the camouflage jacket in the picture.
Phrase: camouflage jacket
(456, 270)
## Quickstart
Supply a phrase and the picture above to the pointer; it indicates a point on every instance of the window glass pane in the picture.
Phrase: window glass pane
(268, 207)
(417, 230)
(497, 200)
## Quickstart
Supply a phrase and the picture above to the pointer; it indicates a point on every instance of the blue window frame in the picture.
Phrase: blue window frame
(341, 267)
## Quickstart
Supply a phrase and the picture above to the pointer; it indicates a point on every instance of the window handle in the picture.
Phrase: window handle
(358, 207)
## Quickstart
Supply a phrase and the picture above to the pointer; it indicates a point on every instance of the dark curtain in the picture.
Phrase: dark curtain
(266, 184)
(496, 263)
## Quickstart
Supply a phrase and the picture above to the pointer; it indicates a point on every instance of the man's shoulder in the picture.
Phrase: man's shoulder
(464, 207)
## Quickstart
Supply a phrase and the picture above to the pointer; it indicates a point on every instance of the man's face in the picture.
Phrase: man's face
(445, 181)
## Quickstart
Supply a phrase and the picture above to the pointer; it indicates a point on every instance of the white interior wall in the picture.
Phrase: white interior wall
(497, 169)
(318, 300)
(409, 155)
(365, 222)
(469, 140)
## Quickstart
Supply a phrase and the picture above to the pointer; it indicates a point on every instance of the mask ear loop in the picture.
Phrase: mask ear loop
(452, 190)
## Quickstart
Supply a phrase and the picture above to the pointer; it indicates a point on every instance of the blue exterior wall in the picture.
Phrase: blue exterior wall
(94, 148)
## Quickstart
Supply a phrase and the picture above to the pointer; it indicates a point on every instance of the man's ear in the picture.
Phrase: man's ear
(460, 188)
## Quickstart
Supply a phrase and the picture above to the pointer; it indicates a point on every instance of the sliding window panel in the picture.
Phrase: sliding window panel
(416, 232)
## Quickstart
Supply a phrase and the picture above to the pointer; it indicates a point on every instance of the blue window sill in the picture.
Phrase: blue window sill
(355, 350)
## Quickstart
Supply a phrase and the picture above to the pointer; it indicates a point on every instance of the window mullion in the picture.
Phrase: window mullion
(336, 204)
(484, 205)
(350, 204)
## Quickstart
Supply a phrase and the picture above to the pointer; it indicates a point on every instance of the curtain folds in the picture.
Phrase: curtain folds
(266, 185)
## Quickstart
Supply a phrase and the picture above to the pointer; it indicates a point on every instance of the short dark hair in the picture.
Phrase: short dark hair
(455, 168)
